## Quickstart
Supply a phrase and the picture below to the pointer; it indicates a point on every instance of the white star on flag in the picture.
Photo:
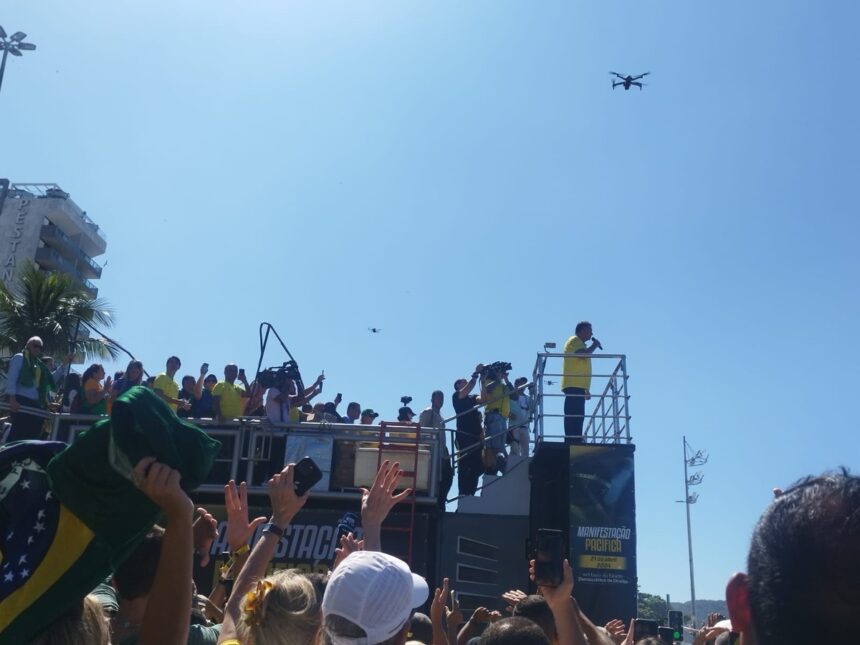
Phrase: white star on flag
(25, 573)
(9, 577)
(25, 484)
(39, 527)
(22, 559)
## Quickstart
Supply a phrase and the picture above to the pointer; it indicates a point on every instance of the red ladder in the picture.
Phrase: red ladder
(409, 446)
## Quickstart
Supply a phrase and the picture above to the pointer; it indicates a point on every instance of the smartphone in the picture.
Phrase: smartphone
(205, 367)
(549, 558)
(643, 628)
(666, 635)
(305, 475)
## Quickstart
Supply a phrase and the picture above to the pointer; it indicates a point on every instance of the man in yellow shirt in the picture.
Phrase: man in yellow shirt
(496, 389)
(576, 379)
(227, 396)
(166, 388)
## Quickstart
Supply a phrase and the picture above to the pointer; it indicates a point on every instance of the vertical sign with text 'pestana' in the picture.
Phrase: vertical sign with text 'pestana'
(603, 529)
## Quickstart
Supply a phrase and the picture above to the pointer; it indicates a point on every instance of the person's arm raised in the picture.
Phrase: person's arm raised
(168, 611)
(437, 614)
(285, 505)
(563, 609)
(377, 502)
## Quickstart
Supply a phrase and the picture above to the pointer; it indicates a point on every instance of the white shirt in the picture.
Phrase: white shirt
(277, 412)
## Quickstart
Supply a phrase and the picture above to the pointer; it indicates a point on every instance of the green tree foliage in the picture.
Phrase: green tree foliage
(652, 607)
(50, 305)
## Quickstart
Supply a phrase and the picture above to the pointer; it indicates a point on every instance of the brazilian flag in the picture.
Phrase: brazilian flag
(69, 515)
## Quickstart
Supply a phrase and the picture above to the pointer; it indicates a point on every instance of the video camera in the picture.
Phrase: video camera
(406, 400)
(278, 376)
(494, 370)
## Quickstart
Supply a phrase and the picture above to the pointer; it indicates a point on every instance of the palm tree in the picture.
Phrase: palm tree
(53, 307)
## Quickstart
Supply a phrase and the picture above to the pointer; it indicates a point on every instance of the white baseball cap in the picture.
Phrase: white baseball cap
(375, 591)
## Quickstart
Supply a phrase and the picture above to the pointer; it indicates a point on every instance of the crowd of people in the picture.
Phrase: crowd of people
(370, 597)
(492, 414)
(800, 586)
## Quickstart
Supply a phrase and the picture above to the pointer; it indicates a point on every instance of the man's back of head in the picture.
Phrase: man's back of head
(803, 566)
(536, 609)
(514, 631)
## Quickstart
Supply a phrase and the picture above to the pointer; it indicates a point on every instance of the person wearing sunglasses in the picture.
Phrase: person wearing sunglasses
(28, 382)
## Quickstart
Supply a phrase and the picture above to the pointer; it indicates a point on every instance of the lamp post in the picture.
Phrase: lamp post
(14, 45)
(692, 458)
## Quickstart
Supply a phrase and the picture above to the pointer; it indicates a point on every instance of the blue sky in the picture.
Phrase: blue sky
(462, 176)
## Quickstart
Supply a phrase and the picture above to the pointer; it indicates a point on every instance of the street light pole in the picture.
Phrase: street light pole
(14, 45)
(698, 458)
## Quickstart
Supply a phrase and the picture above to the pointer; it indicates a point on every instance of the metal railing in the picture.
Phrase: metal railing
(607, 413)
(50, 231)
(249, 445)
(54, 191)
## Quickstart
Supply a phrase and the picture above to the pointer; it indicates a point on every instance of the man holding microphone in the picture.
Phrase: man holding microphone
(576, 379)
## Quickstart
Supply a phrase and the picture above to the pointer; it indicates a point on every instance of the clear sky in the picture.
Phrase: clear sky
(462, 176)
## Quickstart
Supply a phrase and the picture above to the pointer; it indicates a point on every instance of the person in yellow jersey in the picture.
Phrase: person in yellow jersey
(166, 388)
(576, 379)
(496, 389)
(229, 398)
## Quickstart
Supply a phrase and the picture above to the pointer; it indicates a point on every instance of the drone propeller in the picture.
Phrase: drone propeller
(617, 74)
(636, 78)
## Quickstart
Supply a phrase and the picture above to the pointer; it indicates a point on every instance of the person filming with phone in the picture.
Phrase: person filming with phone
(229, 399)
(576, 379)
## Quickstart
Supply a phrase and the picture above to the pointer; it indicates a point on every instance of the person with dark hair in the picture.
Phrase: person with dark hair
(95, 399)
(576, 379)
(229, 398)
(133, 376)
(166, 388)
(353, 412)
(513, 631)
(204, 405)
(28, 382)
(468, 437)
(536, 609)
(71, 391)
(368, 416)
(803, 566)
(186, 393)
(420, 628)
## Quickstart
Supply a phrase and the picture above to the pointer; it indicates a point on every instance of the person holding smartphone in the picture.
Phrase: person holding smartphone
(228, 398)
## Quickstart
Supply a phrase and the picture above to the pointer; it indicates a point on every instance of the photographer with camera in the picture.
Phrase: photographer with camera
(576, 380)
(283, 399)
(495, 395)
(468, 437)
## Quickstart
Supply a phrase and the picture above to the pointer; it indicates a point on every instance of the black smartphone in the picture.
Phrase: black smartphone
(305, 475)
(643, 628)
(667, 635)
(549, 558)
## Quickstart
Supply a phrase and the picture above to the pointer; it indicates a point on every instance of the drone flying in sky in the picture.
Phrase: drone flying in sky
(374, 330)
(628, 80)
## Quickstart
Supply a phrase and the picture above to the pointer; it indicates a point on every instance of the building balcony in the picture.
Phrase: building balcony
(57, 206)
(49, 259)
(67, 247)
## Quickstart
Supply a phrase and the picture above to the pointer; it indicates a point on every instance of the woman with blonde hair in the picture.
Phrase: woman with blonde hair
(282, 609)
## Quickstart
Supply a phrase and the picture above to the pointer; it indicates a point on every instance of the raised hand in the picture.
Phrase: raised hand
(282, 492)
(616, 630)
(512, 597)
(160, 483)
(481, 615)
(348, 544)
(378, 501)
(454, 616)
(556, 595)
(204, 531)
(239, 529)
(437, 613)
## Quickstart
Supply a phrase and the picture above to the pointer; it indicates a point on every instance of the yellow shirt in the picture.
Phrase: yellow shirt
(167, 385)
(230, 398)
(577, 371)
(499, 399)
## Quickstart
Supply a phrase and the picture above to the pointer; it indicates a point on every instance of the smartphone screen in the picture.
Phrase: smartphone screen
(306, 475)
(643, 628)
(549, 558)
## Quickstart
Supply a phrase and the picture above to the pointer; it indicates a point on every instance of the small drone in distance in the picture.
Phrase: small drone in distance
(628, 80)
(374, 330)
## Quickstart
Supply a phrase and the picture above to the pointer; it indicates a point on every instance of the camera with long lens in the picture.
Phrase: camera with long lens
(278, 376)
(405, 400)
(493, 371)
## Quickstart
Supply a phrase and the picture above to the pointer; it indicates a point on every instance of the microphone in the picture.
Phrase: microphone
(596, 342)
